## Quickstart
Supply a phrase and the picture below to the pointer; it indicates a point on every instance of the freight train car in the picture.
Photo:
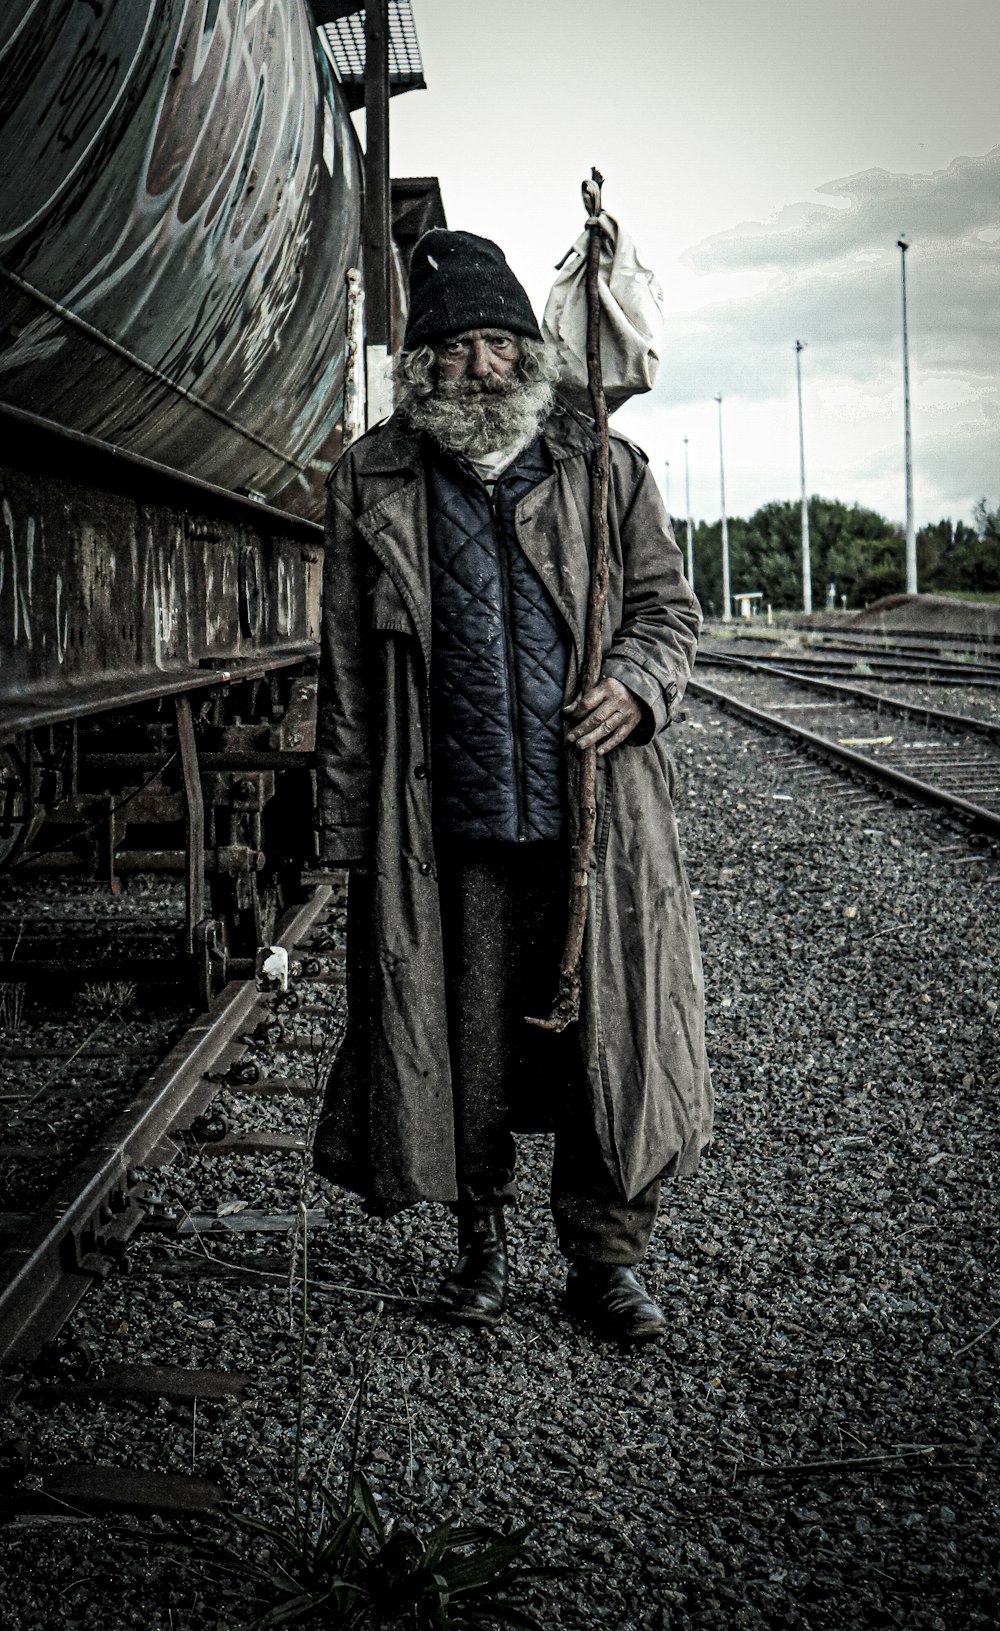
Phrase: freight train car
(182, 202)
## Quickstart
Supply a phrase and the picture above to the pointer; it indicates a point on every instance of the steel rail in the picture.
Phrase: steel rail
(957, 658)
(931, 670)
(52, 1266)
(892, 667)
(914, 639)
(943, 641)
(896, 781)
(969, 682)
(906, 710)
(890, 658)
(891, 652)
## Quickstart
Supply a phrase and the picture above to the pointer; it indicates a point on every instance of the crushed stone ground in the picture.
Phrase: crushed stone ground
(813, 1445)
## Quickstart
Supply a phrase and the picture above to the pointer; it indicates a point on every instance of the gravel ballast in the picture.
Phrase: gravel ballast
(813, 1445)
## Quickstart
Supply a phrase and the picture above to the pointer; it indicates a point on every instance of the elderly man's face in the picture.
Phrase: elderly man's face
(478, 353)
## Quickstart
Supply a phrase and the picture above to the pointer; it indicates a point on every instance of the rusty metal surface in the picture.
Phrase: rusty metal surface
(46, 707)
(121, 577)
(175, 233)
(79, 1489)
(252, 1142)
(146, 1382)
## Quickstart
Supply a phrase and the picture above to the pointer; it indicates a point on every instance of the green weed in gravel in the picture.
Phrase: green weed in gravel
(107, 996)
(11, 1008)
(326, 1561)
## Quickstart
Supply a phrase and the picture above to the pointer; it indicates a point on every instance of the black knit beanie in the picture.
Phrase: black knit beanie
(459, 281)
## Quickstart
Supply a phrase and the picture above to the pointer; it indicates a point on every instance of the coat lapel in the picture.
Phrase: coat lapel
(394, 522)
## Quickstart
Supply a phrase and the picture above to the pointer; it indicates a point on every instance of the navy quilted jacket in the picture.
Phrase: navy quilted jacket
(499, 653)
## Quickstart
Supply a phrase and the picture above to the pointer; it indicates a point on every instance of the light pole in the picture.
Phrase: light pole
(727, 613)
(903, 244)
(687, 513)
(807, 587)
(666, 488)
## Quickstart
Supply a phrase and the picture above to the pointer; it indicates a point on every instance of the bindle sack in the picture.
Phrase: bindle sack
(632, 304)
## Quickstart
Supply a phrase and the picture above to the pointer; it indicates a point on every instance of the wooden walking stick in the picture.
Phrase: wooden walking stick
(566, 1007)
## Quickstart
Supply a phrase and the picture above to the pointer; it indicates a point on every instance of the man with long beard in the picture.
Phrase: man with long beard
(455, 590)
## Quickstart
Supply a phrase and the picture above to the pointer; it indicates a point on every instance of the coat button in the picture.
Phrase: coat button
(421, 773)
(425, 869)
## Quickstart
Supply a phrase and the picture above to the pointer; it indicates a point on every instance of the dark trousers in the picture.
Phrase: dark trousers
(503, 909)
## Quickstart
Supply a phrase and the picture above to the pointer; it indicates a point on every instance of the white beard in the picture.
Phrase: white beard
(476, 417)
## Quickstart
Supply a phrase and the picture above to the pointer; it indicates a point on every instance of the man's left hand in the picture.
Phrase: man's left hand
(605, 716)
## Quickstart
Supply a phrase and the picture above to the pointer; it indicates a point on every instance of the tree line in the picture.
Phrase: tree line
(854, 548)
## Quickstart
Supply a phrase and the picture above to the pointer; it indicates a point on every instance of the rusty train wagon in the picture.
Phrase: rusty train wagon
(175, 235)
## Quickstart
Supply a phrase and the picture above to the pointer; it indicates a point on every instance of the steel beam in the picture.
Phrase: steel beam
(194, 822)
(378, 224)
(41, 710)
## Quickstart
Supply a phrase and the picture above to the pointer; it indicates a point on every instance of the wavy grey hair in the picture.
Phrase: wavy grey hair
(471, 416)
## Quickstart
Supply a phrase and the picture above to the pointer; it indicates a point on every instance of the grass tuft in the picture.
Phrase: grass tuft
(330, 1560)
(11, 1008)
(107, 996)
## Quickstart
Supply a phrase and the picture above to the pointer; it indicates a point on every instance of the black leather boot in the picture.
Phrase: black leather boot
(475, 1292)
(613, 1302)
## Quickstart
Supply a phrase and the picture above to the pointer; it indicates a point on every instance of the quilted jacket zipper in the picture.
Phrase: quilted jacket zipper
(513, 701)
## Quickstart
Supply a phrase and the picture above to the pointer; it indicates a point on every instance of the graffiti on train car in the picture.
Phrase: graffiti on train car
(22, 570)
(175, 235)
(92, 57)
(96, 586)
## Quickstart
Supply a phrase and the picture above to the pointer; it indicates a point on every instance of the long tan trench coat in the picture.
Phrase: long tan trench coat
(387, 1129)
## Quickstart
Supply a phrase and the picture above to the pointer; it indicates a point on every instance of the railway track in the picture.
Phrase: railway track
(892, 665)
(937, 757)
(209, 1094)
(835, 1251)
(226, 1086)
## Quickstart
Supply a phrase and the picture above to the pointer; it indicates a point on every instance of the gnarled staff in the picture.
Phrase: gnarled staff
(566, 1006)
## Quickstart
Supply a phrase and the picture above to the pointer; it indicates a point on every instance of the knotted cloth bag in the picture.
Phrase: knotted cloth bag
(632, 304)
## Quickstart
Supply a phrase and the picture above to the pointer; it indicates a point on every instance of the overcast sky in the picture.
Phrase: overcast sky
(765, 155)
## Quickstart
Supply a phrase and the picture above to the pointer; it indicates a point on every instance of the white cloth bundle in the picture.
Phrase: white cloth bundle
(632, 304)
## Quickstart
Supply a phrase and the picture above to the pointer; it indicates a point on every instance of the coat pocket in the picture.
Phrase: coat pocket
(389, 611)
(666, 767)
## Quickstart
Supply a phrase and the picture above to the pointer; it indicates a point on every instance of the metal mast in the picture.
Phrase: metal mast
(903, 244)
(378, 302)
(727, 609)
(687, 513)
(807, 588)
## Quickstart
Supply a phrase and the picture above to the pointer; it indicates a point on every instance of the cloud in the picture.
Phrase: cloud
(833, 281)
(848, 312)
(876, 206)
